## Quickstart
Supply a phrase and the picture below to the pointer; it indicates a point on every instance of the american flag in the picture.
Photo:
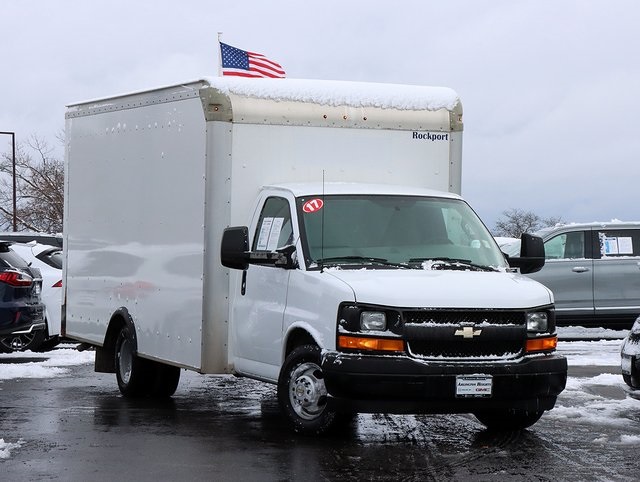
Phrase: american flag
(241, 63)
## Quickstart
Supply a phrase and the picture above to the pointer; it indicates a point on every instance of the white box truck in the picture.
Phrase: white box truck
(308, 234)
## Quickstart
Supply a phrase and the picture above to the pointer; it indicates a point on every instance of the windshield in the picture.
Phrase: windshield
(393, 231)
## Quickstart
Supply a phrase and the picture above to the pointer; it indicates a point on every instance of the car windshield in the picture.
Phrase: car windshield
(380, 231)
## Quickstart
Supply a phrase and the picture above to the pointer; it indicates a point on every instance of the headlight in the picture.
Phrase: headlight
(373, 321)
(537, 321)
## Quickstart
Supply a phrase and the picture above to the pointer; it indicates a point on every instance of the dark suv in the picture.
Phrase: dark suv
(21, 309)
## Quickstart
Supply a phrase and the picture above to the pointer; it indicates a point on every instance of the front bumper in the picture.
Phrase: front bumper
(401, 384)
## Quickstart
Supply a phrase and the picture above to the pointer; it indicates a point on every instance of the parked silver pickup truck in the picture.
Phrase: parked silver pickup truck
(593, 270)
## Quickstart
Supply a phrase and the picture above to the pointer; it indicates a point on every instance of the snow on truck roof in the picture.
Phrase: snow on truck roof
(321, 92)
(336, 92)
(332, 188)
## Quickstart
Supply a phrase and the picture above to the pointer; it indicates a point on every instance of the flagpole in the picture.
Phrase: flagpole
(219, 55)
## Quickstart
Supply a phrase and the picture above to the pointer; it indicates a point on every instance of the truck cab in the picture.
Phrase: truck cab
(364, 298)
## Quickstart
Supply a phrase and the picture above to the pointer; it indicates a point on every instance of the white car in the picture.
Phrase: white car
(49, 260)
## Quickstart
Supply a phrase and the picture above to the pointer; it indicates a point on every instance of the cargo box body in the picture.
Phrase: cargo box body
(153, 178)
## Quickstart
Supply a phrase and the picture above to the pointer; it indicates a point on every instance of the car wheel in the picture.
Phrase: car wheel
(508, 419)
(26, 341)
(302, 394)
(132, 372)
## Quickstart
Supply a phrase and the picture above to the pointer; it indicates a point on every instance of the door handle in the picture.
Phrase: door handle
(579, 269)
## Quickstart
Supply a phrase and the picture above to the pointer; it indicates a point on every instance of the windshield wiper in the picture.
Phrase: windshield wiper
(362, 259)
(453, 263)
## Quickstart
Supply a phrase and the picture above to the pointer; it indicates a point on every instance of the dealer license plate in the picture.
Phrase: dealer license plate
(474, 385)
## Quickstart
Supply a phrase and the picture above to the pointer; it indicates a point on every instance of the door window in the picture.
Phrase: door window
(565, 246)
(274, 228)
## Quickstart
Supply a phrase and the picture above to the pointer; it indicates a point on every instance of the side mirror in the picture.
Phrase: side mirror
(234, 248)
(235, 254)
(531, 254)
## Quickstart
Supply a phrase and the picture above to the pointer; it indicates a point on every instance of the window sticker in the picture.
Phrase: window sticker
(269, 234)
(614, 245)
(313, 205)
(609, 245)
(625, 245)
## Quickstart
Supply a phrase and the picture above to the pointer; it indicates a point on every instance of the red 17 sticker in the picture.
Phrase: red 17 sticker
(312, 205)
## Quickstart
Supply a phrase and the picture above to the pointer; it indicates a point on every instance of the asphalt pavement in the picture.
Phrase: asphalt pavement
(220, 428)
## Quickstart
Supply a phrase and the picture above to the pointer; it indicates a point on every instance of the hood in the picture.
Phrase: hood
(444, 288)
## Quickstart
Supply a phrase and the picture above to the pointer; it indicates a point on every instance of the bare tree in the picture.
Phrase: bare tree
(515, 221)
(39, 188)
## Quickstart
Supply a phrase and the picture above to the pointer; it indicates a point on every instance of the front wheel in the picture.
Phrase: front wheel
(508, 419)
(302, 394)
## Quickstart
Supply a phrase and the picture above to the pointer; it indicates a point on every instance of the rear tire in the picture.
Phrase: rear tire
(165, 379)
(132, 372)
(508, 420)
(302, 394)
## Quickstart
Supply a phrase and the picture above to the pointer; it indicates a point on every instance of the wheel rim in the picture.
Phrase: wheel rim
(307, 391)
(125, 361)
(18, 342)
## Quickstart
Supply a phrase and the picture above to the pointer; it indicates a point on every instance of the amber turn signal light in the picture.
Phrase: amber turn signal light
(542, 344)
(372, 344)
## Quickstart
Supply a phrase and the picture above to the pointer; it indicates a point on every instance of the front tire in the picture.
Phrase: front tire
(508, 420)
(302, 394)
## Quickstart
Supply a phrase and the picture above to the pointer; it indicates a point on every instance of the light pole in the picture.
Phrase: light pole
(13, 148)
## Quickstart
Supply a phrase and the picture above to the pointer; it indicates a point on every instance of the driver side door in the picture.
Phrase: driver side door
(260, 305)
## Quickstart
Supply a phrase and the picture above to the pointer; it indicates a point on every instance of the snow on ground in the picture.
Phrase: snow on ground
(590, 353)
(581, 333)
(42, 365)
(6, 448)
(599, 401)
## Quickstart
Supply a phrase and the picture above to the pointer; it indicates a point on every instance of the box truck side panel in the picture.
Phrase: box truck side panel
(265, 154)
(134, 224)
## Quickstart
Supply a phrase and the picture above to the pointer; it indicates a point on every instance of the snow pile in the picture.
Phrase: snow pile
(600, 400)
(43, 365)
(338, 93)
(591, 353)
(595, 333)
(7, 447)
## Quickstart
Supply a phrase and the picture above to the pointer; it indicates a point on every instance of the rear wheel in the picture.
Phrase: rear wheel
(22, 342)
(132, 372)
(165, 379)
(508, 419)
(302, 394)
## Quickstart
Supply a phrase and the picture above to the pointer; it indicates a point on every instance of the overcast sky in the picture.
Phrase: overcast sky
(550, 88)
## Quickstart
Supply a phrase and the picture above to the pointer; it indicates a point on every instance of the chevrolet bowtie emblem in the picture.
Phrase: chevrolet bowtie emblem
(467, 332)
